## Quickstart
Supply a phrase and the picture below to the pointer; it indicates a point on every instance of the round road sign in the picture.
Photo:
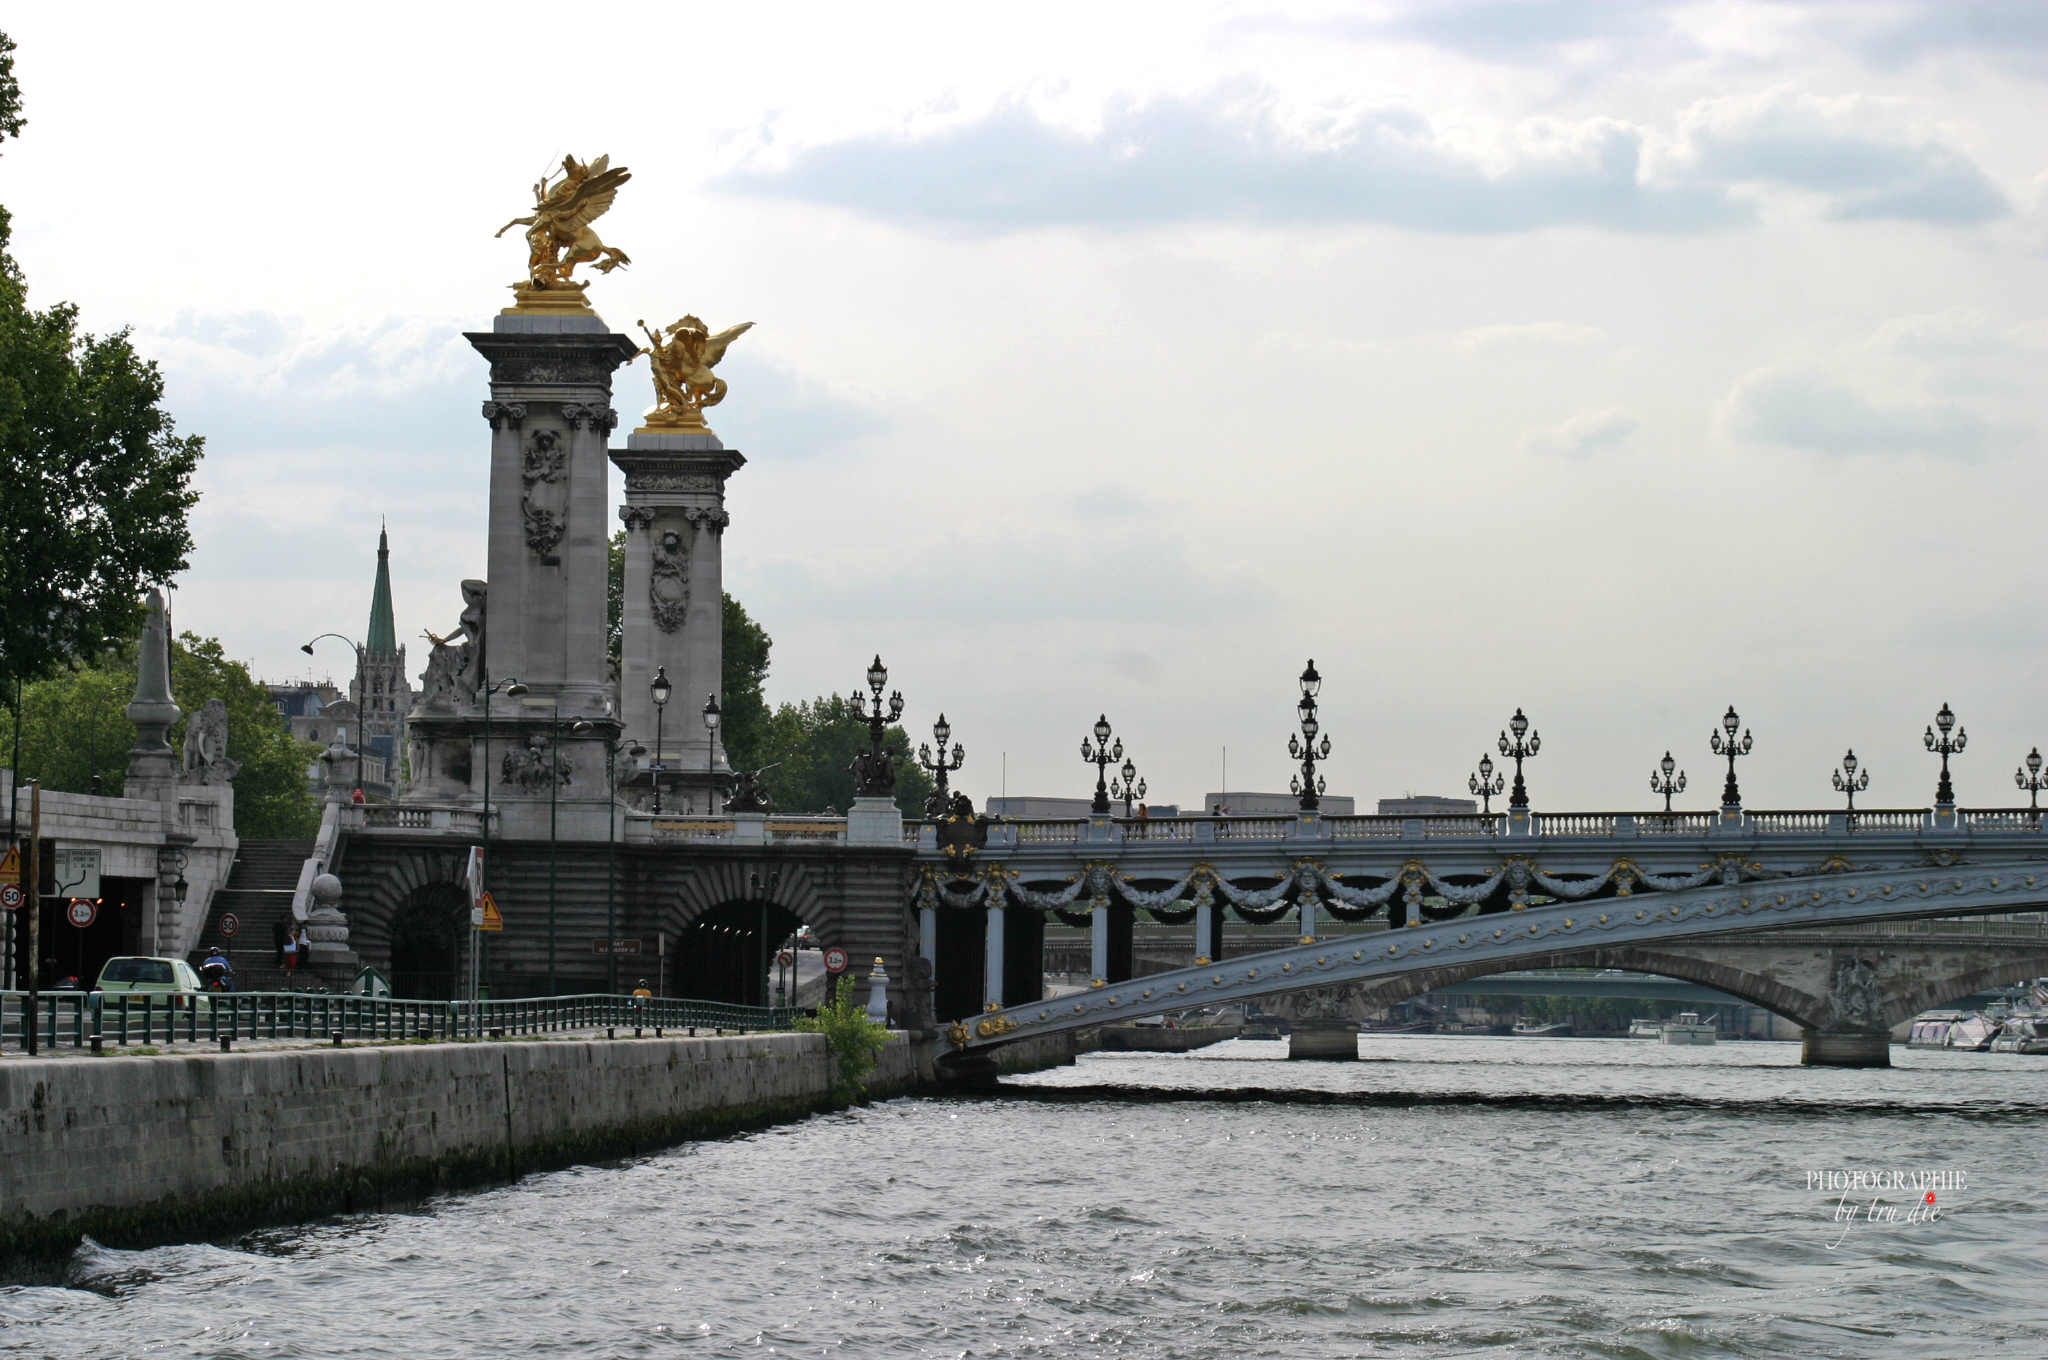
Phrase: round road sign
(835, 960)
(229, 923)
(82, 912)
(11, 896)
(784, 959)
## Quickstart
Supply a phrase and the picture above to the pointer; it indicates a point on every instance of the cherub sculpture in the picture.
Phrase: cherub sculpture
(683, 381)
(558, 234)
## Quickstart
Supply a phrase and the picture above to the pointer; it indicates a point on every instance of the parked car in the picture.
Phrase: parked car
(158, 977)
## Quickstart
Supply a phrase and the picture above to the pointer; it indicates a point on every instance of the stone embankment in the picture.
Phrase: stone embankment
(137, 1149)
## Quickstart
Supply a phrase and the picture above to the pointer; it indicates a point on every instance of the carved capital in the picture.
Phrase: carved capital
(581, 415)
(714, 520)
(636, 516)
(505, 414)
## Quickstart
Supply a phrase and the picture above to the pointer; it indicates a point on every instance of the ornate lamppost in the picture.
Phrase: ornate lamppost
(1485, 785)
(1303, 748)
(1519, 750)
(1731, 796)
(362, 698)
(942, 732)
(1661, 780)
(2031, 782)
(1946, 746)
(1101, 756)
(712, 714)
(1852, 780)
(1127, 789)
(480, 947)
(660, 689)
(612, 749)
(874, 770)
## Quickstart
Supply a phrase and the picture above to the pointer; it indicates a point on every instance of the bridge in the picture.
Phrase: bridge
(1799, 913)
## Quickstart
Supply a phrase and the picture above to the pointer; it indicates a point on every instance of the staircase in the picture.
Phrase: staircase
(258, 892)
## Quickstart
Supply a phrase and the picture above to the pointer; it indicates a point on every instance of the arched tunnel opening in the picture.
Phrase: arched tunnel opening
(727, 953)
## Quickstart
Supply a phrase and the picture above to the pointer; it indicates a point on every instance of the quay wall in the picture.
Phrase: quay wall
(141, 1149)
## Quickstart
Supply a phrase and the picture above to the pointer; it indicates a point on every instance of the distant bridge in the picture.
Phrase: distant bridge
(1751, 904)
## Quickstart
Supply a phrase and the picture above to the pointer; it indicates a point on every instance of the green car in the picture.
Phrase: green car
(157, 977)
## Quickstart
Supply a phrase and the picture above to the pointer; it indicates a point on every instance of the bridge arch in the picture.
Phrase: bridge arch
(2005, 972)
(727, 918)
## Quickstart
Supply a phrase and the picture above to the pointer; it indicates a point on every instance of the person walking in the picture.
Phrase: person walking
(288, 952)
(304, 940)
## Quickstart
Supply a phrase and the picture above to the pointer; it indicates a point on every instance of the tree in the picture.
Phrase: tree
(97, 487)
(74, 725)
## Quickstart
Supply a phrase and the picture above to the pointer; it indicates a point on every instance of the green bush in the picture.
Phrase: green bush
(854, 1038)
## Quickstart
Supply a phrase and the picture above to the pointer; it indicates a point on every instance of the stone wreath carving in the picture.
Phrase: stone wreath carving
(545, 501)
(668, 584)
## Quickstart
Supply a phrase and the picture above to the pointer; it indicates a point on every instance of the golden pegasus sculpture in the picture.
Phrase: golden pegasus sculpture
(559, 236)
(683, 381)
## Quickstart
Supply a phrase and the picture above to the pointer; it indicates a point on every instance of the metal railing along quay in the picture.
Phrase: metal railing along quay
(77, 1019)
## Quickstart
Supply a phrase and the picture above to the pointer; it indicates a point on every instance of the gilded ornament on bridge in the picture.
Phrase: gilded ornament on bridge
(559, 236)
(682, 357)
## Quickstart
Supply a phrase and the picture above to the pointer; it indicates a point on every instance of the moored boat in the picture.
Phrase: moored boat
(2022, 1034)
(1930, 1029)
(1645, 1028)
(1544, 1031)
(1688, 1028)
(1973, 1033)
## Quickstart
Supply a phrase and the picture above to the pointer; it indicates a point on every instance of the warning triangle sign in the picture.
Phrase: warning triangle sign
(489, 907)
(10, 866)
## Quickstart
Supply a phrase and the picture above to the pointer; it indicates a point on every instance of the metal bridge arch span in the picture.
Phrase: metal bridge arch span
(1522, 937)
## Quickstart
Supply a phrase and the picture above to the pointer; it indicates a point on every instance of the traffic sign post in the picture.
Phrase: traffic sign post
(229, 924)
(486, 915)
(82, 912)
(835, 960)
(11, 896)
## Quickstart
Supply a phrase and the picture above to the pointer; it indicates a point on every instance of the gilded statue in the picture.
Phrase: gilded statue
(683, 381)
(559, 237)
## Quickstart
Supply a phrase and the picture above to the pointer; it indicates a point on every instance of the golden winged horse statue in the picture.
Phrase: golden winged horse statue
(558, 233)
(683, 381)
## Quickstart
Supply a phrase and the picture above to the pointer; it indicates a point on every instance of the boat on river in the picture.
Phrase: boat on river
(1688, 1028)
(1974, 1032)
(2022, 1034)
(1544, 1031)
(1930, 1029)
(1641, 1028)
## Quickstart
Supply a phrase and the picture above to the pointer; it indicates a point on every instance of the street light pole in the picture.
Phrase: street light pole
(660, 689)
(587, 728)
(712, 714)
(942, 732)
(1308, 784)
(2030, 780)
(875, 771)
(1101, 756)
(1667, 785)
(362, 696)
(1130, 786)
(1485, 784)
(483, 875)
(1852, 782)
(1946, 746)
(1731, 796)
(1519, 750)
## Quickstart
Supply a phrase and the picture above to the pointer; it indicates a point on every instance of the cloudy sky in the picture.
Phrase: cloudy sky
(1616, 361)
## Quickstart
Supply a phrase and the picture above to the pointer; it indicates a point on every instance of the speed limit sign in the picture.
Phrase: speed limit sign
(11, 896)
(835, 960)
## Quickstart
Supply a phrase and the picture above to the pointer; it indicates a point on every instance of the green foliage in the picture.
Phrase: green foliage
(813, 745)
(74, 725)
(855, 1039)
(97, 488)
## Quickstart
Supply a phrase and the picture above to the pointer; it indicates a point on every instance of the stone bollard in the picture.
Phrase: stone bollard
(878, 994)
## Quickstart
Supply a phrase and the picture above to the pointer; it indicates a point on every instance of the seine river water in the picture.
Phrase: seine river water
(1449, 1197)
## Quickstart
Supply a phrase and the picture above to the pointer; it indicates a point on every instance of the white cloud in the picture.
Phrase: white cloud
(1589, 432)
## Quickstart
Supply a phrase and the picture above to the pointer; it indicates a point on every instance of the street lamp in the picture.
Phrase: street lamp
(1485, 784)
(1731, 796)
(875, 771)
(362, 697)
(1518, 751)
(587, 728)
(2030, 780)
(1125, 790)
(1946, 746)
(1852, 781)
(1303, 748)
(942, 732)
(660, 689)
(1667, 785)
(1101, 756)
(480, 948)
(712, 713)
(773, 882)
(553, 704)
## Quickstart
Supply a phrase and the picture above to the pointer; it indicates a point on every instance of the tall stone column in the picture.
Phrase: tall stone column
(153, 765)
(674, 612)
(550, 415)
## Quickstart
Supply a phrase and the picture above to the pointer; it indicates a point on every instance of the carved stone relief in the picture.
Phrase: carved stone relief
(527, 768)
(545, 503)
(668, 585)
(672, 481)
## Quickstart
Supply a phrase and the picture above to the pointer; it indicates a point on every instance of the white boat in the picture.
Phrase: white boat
(1688, 1028)
(2022, 1034)
(1973, 1033)
(1931, 1029)
(1645, 1029)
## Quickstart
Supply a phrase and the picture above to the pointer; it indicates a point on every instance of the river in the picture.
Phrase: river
(1447, 1197)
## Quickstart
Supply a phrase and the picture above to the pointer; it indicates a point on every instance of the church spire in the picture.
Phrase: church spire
(383, 637)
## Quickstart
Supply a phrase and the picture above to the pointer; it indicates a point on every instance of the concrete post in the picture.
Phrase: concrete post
(928, 934)
(878, 994)
(992, 959)
(1098, 944)
(1205, 929)
(1308, 919)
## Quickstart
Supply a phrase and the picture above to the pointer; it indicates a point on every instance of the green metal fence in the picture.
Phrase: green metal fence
(75, 1019)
